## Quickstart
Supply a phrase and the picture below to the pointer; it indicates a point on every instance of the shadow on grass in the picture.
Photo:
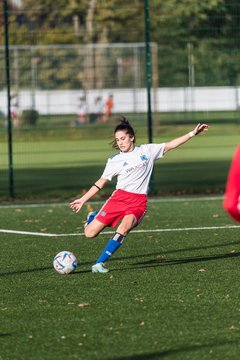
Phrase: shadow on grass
(183, 349)
(77, 272)
(40, 269)
(162, 253)
(25, 271)
(162, 261)
(166, 262)
(20, 272)
(5, 335)
(137, 265)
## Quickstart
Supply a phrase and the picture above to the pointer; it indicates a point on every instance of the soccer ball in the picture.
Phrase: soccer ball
(65, 262)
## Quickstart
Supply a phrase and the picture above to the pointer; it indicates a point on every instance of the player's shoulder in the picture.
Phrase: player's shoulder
(151, 149)
(144, 147)
(114, 156)
(152, 145)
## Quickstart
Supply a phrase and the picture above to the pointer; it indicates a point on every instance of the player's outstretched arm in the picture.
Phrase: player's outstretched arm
(183, 139)
(77, 204)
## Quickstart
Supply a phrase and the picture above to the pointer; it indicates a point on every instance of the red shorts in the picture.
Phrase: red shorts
(232, 194)
(120, 204)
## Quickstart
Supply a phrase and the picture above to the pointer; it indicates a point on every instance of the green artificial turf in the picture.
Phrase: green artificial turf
(62, 165)
(170, 294)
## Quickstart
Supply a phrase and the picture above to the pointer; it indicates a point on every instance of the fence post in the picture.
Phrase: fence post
(149, 81)
(148, 69)
(9, 120)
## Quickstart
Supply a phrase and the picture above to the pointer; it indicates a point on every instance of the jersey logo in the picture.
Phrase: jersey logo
(143, 157)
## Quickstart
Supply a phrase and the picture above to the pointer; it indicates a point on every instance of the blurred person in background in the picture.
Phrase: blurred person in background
(82, 111)
(108, 109)
(14, 111)
(98, 109)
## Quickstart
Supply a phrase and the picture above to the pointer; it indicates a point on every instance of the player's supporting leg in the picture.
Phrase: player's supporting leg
(128, 223)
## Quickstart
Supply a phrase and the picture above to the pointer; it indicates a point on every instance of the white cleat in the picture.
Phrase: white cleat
(100, 268)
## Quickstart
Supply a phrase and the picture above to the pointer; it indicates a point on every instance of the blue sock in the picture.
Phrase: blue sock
(91, 217)
(111, 247)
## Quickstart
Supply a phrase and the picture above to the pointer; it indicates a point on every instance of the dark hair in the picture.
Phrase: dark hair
(123, 126)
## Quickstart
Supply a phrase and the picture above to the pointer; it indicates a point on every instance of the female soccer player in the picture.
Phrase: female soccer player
(133, 167)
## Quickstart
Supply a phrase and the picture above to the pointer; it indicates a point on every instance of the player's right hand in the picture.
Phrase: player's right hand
(76, 205)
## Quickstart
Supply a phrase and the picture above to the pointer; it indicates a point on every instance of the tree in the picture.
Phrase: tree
(123, 21)
(209, 26)
(48, 22)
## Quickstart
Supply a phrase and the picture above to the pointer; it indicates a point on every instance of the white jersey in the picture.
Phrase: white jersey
(133, 169)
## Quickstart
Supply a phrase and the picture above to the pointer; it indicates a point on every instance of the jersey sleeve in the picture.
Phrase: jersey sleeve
(156, 150)
(110, 170)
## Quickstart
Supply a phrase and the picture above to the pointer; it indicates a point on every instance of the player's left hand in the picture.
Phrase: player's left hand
(199, 128)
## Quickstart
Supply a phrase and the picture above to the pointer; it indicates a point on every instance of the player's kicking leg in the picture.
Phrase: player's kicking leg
(91, 216)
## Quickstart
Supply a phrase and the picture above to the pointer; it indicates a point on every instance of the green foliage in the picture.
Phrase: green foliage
(211, 27)
(29, 117)
(49, 22)
(188, 20)
(123, 21)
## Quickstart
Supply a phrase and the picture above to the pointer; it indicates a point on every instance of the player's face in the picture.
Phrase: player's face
(124, 141)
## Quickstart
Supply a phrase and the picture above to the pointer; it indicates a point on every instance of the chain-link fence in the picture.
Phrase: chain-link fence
(75, 66)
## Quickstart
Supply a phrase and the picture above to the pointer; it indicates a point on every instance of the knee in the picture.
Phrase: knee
(89, 233)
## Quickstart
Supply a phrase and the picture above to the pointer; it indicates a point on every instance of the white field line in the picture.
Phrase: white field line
(133, 231)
